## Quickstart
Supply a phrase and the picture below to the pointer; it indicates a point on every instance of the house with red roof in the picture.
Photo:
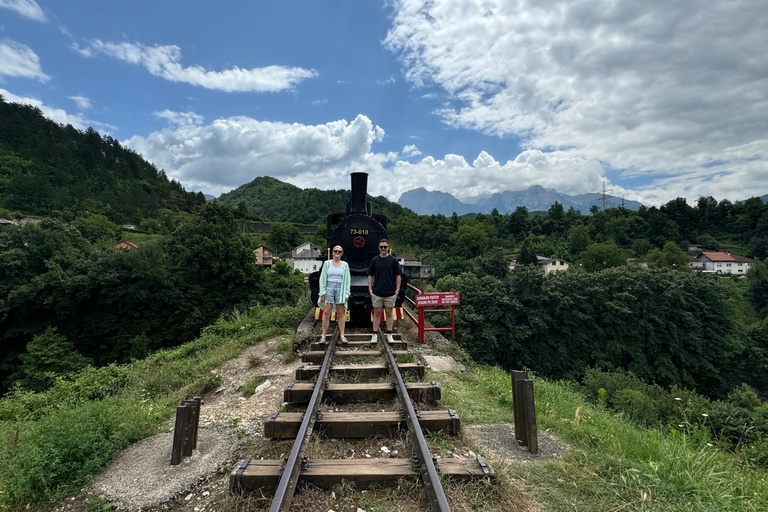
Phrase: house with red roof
(716, 262)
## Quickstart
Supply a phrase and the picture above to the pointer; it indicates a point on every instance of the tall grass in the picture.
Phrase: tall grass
(51, 442)
(611, 464)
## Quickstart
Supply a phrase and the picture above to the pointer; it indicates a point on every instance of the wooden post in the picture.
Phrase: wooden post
(530, 416)
(189, 424)
(194, 421)
(518, 407)
(178, 435)
(199, 401)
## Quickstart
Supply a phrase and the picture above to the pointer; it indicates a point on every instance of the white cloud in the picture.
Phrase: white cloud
(17, 59)
(179, 118)
(229, 152)
(163, 61)
(82, 102)
(56, 114)
(411, 150)
(388, 81)
(27, 8)
(656, 89)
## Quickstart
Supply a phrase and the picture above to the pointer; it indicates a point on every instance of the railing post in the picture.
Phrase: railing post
(178, 435)
(518, 407)
(421, 324)
(530, 416)
(453, 322)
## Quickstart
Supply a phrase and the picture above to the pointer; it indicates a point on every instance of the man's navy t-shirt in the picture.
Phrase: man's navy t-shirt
(384, 271)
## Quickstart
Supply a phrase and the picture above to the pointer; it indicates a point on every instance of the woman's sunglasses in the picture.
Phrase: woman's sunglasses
(338, 251)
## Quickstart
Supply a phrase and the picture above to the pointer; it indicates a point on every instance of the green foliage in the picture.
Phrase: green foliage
(667, 327)
(602, 256)
(50, 442)
(670, 256)
(46, 167)
(48, 356)
(273, 200)
(283, 236)
(115, 305)
(757, 285)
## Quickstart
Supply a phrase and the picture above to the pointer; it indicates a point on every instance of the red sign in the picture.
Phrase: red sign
(438, 299)
(306, 279)
(359, 242)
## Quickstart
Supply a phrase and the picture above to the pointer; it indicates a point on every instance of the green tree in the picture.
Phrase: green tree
(757, 284)
(578, 240)
(601, 256)
(670, 256)
(283, 236)
(48, 355)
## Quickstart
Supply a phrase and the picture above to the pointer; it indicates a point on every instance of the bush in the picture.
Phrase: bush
(636, 406)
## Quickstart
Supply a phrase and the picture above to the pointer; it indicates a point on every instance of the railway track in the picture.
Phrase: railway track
(321, 383)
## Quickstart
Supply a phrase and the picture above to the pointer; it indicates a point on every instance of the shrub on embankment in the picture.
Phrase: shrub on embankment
(665, 326)
(51, 441)
(611, 462)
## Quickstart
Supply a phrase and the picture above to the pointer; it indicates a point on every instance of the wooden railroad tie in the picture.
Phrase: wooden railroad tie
(310, 371)
(300, 392)
(317, 356)
(185, 429)
(263, 475)
(285, 425)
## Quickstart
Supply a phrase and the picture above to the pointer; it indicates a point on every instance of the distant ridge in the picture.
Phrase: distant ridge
(535, 198)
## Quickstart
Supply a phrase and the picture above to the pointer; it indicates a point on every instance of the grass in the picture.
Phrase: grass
(611, 463)
(250, 387)
(51, 442)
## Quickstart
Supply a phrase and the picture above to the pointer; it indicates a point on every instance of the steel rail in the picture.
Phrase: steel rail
(290, 477)
(437, 499)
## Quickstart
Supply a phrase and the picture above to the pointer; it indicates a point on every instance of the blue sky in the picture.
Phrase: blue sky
(470, 97)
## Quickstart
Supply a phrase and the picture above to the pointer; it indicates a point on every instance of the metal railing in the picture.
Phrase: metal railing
(421, 311)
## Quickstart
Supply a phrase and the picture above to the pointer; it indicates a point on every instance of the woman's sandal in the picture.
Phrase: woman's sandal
(344, 340)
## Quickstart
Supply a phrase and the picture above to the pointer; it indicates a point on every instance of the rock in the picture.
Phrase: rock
(189, 496)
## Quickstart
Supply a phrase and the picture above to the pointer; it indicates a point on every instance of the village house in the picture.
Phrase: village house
(413, 268)
(549, 265)
(306, 258)
(716, 262)
(129, 246)
(263, 256)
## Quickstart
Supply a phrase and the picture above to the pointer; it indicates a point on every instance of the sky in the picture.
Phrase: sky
(653, 100)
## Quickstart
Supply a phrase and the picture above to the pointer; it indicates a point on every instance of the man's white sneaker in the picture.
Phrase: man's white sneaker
(390, 339)
(374, 338)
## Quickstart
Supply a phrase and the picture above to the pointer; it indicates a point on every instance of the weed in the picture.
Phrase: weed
(248, 389)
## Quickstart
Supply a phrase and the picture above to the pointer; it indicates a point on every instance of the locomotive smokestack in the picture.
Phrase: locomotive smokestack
(357, 201)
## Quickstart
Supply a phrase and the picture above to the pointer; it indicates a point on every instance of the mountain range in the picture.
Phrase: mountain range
(536, 198)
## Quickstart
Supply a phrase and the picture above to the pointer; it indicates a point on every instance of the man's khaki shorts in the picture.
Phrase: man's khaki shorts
(387, 302)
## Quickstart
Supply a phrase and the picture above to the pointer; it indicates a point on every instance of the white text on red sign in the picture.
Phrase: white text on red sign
(438, 299)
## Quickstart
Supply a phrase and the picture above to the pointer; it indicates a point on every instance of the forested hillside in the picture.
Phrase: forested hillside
(666, 324)
(46, 167)
(272, 200)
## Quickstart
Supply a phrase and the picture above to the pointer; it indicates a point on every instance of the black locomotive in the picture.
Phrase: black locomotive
(358, 232)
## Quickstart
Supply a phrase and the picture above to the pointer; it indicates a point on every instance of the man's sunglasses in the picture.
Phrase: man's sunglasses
(383, 247)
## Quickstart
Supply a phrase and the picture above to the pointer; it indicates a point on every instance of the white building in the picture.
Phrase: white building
(552, 264)
(721, 263)
(306, 258)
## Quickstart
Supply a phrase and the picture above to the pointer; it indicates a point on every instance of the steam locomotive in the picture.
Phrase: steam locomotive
(358, 232)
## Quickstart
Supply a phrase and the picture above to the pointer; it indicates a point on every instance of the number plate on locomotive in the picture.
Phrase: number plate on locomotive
(354, 231)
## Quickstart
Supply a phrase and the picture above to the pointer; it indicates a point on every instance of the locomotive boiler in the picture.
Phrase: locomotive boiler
(357, 231)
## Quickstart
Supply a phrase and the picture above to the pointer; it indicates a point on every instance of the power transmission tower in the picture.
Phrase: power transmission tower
(604, 197)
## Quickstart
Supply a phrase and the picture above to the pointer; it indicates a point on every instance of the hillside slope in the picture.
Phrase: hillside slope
(276, 201)
(47, 167)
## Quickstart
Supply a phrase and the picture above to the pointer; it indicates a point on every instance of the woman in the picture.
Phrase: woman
(334, 289)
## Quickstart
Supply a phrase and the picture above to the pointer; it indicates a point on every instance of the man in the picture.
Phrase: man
(383, 285)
